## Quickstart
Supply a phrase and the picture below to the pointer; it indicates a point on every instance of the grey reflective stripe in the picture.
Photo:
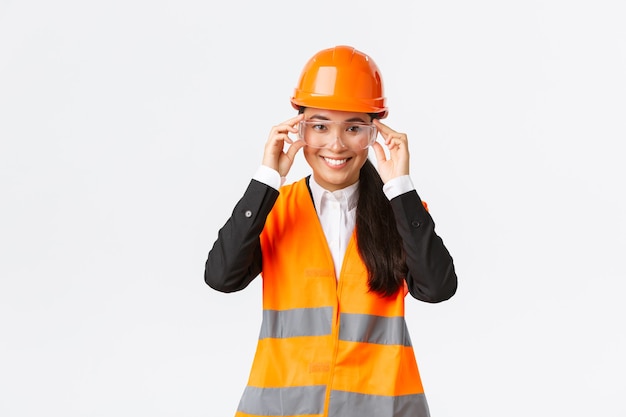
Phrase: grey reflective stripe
(292, 401)
(374, 329)
(349, 404)
(296, 322)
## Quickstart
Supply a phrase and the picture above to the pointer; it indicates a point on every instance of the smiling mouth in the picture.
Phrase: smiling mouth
(335, 162)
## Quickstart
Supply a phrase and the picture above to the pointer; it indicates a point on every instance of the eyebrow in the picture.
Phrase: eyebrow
(353, 119)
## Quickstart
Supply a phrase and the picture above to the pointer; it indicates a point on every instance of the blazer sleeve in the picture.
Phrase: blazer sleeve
(431, 276)
(235, 258)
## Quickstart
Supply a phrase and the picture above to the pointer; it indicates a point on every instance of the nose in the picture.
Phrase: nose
(336, 144)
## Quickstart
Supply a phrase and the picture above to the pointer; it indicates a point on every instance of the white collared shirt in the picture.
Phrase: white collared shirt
(337, 213)
(336, 210)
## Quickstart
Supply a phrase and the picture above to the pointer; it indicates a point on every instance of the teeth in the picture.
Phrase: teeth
(335, 162)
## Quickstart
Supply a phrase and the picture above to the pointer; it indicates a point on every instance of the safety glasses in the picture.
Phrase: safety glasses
(324, 133)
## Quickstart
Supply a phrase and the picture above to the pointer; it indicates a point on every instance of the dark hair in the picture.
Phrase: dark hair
(378, 240)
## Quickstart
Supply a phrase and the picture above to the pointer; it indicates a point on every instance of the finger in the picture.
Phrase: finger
(294, 148)
(389, 135)
(293, 120)
(276, 139)
(379, 152)
(285, 138)
(290, 124)
(396, 142)
(383, 128)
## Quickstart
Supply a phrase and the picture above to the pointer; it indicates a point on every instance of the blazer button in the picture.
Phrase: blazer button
(248, 213)
(415, 223)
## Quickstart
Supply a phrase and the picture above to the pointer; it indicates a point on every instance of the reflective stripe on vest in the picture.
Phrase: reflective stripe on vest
(295, 401)
(292, 401)
(366, 328)
(296, 322)
(349, 404)
(363, 328)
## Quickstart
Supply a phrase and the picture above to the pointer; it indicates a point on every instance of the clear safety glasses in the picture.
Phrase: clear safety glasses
(324, 133)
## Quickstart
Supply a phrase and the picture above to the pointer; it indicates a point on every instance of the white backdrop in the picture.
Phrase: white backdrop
(129, 129)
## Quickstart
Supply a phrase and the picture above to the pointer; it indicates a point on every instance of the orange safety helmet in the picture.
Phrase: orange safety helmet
(341, 78)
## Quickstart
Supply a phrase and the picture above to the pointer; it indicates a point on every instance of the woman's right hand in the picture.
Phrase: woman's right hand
(274, 156)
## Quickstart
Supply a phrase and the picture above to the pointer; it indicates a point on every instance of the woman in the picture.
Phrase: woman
(337, 251)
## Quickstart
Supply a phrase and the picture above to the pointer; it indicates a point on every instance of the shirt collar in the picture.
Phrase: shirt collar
(348, 197)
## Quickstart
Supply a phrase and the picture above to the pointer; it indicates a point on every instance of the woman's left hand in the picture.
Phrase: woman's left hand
(398, 162)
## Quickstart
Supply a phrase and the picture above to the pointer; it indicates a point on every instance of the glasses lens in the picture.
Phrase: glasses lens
(323, 133)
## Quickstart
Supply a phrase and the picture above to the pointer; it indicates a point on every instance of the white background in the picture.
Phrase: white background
(129, 129)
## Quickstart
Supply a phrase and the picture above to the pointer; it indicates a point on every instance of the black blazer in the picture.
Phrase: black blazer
(235, 258)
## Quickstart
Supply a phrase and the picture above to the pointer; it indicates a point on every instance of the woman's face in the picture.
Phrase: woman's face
(337, 165)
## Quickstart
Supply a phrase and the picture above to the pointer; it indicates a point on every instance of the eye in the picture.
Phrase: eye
(319, 127)
(355, 128)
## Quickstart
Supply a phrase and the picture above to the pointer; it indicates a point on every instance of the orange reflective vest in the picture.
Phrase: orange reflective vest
(327, 346)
